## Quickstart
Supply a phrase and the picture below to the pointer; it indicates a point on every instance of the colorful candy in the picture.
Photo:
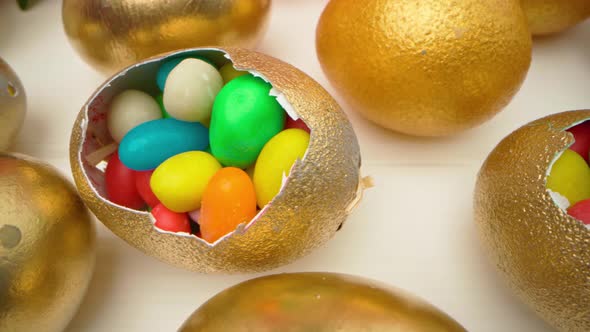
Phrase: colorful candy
(167, 67)
(228, 72)
(130, 109)
(291, 124)
(160, 100)
(581, 211)
(120, 184)
(244, 118)
(142, 183)
(275, 161)
(228, 200)
(149, 144)
(179, 182)
(191, 88)
(581, 134)
(570, 177)
(171, 221)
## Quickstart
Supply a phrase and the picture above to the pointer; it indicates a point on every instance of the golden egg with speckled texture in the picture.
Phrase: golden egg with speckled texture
(47, 247)
(112, 34)
(319, 302)
(13, 105)
(542, 252)
(553, 16)
(315, 199)
(425, 68)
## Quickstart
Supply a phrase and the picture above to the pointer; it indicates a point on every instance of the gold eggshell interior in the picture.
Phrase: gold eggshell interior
(319, 302)
(542, 252)
(313, 202)
(13, 105)
(553, 16)
(47, 247)
(113, 34)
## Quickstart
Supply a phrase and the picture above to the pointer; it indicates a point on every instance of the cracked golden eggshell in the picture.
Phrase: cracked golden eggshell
(319, 302)
(47, 247)
(313, 203)
(552, 16)
(13, 105)
(543, 253)
(425, 68)
(113, 34)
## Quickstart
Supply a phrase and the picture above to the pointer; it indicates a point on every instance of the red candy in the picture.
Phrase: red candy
(120, 184)
(290, 123)
(581, 211)
(142, 183)
(170, 221)
(581, 133)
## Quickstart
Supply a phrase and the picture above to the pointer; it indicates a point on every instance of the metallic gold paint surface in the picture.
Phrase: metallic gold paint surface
(425, 68)
(319, 302)
(543, 253)
(47, 247)
(311, 207)
(112, 34)
(13, 105)
(553, 16)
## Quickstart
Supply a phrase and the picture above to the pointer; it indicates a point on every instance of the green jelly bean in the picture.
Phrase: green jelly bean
(245, 116)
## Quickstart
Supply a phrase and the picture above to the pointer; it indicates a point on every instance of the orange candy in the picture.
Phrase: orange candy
(229, 200)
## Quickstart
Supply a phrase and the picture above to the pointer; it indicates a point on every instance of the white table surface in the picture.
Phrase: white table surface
(413, 230)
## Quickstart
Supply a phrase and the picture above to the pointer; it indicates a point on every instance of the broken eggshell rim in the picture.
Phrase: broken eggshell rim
(281, 99)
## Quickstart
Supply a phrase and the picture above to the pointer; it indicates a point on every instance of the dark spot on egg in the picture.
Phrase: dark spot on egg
(10, 236)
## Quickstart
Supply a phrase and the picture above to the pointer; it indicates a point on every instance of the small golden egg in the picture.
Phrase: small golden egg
(112, 34)
(319, 302)
(47, 247)
(425, 68)
(553, 16)
(13, 105)
(314, 201)
(542, 252)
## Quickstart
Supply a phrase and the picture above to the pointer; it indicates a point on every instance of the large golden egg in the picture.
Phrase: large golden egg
(425, 68)
(112, 34)
(319, 302)
(543, 253)
(47, 247)
(314, 201)
(13, 105)
(552, 16)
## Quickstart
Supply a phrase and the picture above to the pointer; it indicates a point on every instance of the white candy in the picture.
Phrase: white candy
(130, 109)
(191, 88)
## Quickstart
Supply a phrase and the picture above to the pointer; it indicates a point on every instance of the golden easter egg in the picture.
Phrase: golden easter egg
(543, 253)
(13, 105)
(425, 68)
(319, 302)
(47, 247)
(553, 16)
(314, 199)
(112, 34)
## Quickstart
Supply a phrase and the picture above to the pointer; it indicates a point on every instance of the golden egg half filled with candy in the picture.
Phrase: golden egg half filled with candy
(47, 247)
(532, 211)
(13, 105)
(112, 34)
(425, 68)
(217, 160)
(320, 302)
(552, 16)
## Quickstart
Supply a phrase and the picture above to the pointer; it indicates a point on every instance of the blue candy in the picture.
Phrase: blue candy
(146, 146)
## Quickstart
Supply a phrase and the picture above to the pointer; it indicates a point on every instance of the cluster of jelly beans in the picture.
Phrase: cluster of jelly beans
(570, 174)
(206, 153)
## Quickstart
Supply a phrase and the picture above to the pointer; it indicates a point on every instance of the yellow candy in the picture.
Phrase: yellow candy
(570, 177)
(276, 158)
(179, 182)
(228, 72)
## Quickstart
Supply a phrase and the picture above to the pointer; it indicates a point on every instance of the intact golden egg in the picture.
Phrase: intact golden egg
(319, 302)
(553, 16)
(313, 202)
(13, 105)
(112, 34)
(425, 68)
(542, 252)
(47, 247)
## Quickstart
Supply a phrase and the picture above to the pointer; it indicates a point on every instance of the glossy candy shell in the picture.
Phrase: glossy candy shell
(543, 253)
